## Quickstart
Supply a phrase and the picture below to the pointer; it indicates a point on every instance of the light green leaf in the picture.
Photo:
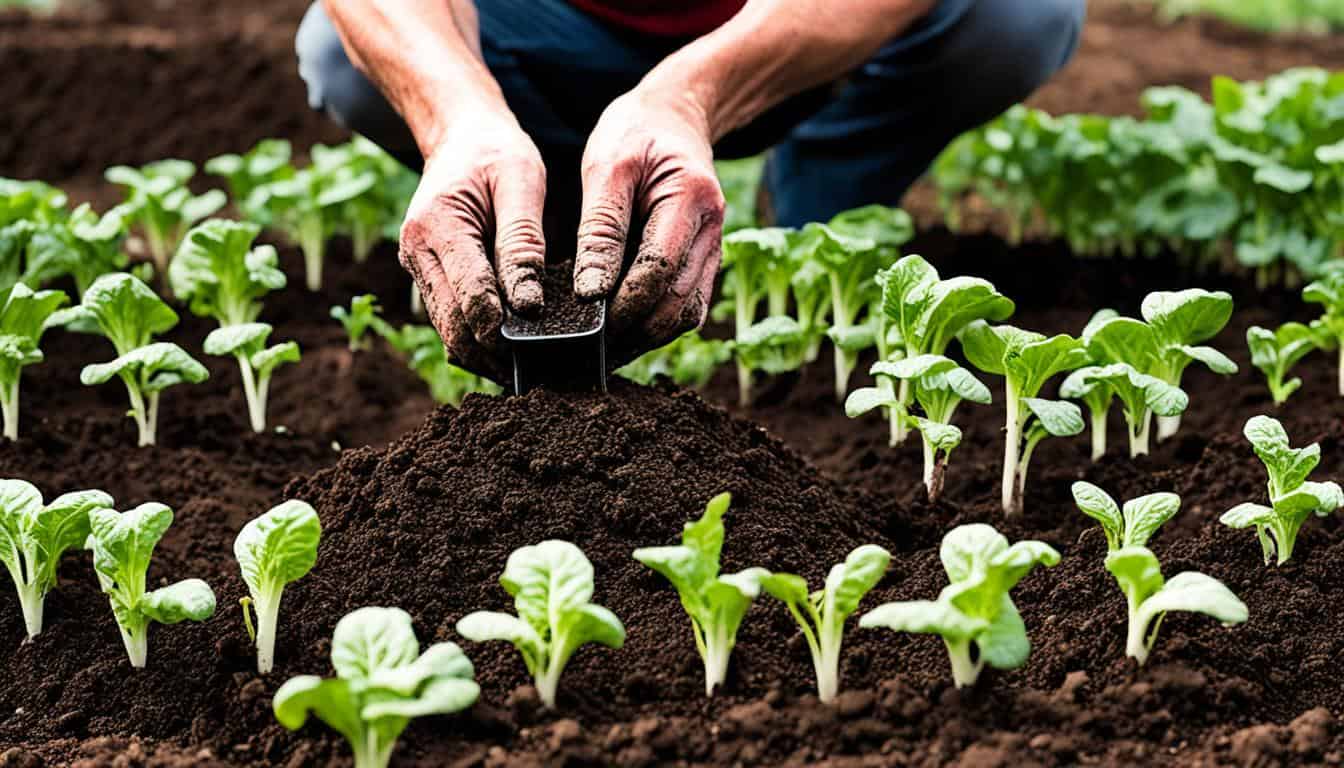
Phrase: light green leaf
(1098, 505)
(187, 600)
(934, 617)
(865, 399)
(370, 640)
(1059, 418)
(278, 547)
(1145, 514)
(849, 581)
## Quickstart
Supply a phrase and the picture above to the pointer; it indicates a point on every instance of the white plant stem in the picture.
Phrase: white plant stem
(313, 242)
(718, 649)
(256, 396)
(1138, 439)
(899, 429)
(417, 303)
(137, 645)
(1098, 435)
(268, 618)
(964, 671)
(9, 404)
(1012, 445)
(1136, 641)
(1167, 426)
(373, 753)
(743, 385)
(144, 417)
(1341, 369)
(31, 601)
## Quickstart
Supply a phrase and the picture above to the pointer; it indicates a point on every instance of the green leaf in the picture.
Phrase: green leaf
(1098, 505)
(158, 366)
(1034, 362)
(1059, 418)
(266, 360)
(370, 640)
(332, 701)
(123, 542)
(954, 304)
(218, 272)
(1124, 340)
(865, 399)
(1187, 317)
(1246, 514)
(244, 339)
(1004, 643)
(1145, 514)
(849, 581)
(278, 547)
(1195, 593)
(932, 617)
(187, 600)
(786, 587)
(483, 626)
(126, 311)
(943, 437)
(885, 226)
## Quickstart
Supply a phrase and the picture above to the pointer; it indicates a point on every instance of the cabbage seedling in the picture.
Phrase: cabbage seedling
(33, 536)
(23, 318)
(1276, 352)
(220, 275)
(266, 162)
(850, 264)
(1328, 291)
(821, 614)
(1140, 397)
(689, 361)
(1292, 497)
(256, 361)
(715, 602)
(1181, 321)
(1131, 526)
(122, 544)
(425, 354)
(161, 204)
(974, 614)
(1026, 360)
(1095, 393)
(774, 345)
(126, 311)
(382, 682)
(273, 550)
(85, 247)
(357, 319)
(308, 209)
(552, 588)
(1130, 354)
(756, 267)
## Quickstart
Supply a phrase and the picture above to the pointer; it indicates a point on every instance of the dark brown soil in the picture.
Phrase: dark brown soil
(562, 312)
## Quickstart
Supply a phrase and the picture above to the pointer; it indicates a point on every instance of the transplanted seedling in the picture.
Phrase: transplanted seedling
(247, 344)
(1328, 291)
(160, 202)
(33, 536)
(689, 361)
(122, 544)
(757, 268)
(274, 550)
(821, 614)
(24, 317)
(1181, 321)
(974, 614)
(1276, 352)
(851, 265)
(358, 319)
(266, 162)
(85, 246)
(219, 274)
(423, 349)
(382, 682)
(1292, 497)
(1136, 569)
(774, 345)
(552, 588)
(1130, 362)
(715, 602)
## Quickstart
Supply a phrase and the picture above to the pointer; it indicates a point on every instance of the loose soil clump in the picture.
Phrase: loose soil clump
(562, 312)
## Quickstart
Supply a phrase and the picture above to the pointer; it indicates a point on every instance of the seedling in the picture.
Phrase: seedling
(552, 588)
(32, 201)
(382, 682)
(122, 544)
(256, 361)
(357, 319)
(774, 345)
(689, 361)
(1131, 357)
(1328, 291)
(974, 614)
(23, 319)
(1276, 352)
(757, 268)
(1181, 321)
(850, 264)
(33, 536)
(274, 550)
(85, 247)
(266, 162)
(821, 614)
(160, 202)
(1095, 393)
(1292, 497)
(425, 354)
(220, 275)
(1131, 526)
(1026, 360)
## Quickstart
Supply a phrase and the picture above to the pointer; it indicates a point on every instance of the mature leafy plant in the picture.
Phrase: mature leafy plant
(1181, 321)
(274, 550)
(689, 361)
(1276, 352)
(940, 385)
(757, 267)
(715, 602)
(256, 361)
(1136, 569)
(1292, 498)
(122, 544)
(1328, 291)
(33, 536)
(220, 275)
(552, 588)
(85, 246)
(266, 162)
(1026, 360)
(974, 614)
(821, 614)
(382, 682)
(357, 319)
(425, 354)
(160, 202)
(24, 316)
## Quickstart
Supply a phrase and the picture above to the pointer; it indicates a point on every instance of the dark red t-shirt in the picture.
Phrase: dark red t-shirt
(677, 18)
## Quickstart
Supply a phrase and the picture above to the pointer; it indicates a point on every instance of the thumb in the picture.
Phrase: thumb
(608, 195)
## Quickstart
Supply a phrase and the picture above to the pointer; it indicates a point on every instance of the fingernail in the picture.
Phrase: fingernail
(528, 296)
(590, 282)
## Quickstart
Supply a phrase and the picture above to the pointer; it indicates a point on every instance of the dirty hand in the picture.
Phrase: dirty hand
(481, 195)
(649, 184)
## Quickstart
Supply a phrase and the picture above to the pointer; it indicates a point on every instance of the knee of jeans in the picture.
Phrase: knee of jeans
(334, 85)
(1042, 40)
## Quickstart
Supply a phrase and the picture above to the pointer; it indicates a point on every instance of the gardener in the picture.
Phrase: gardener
(608, 113)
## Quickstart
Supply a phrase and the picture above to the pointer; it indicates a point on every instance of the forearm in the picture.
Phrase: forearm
(424, 56)
(774, 49)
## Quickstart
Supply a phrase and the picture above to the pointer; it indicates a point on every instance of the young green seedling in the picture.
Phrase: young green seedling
(256, 361)
(1095, 393)
(1292, 497)
(774, 345)
(24, 317)
(425, 354)
(715, 602)
(220, 275)
(366, 217)
(273, 550)
(1328, 291)
(1026, 360)
(84, 247)
(974, 614)
(1181, 321)
(33, 536)
(552, 588)
(756, 267)
(821, 614)
(851, 265)
(122, 544)
(382, 682)
(1136, 569)
(160, 202)
(1129, 355)
(357, 319)
(1276, 352)
(689, 361)
(266, 162)
(129, 314)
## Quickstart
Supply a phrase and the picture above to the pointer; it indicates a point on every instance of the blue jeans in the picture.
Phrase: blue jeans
(864, 139)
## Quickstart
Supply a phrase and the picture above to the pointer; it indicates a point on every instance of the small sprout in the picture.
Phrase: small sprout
(122, 544)
(1132, 526)
(974, 614)
(84, 247)
(1276, 352)
(382, 682)
(716, 603)
(425, 354)
(1292, 497)
(256, 361)
(266, 162)
(821, 614)
(1130, 363)
(220, 275)
(757, 267)
(1096, 394)
(851, 265)
(1181, 321)
(33, 537)
(160, 202)
(24, 317)
(552, 588)
(689, 361)
(273, 550)
(1328, 291)
(357, 319)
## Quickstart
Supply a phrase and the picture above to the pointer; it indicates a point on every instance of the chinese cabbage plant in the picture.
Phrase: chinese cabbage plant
(267, 161)
(425, 354)
(689, 361)
(85, 246)
(851, 265)
(357, 319)
(1276, 352)
(382, 682)
(33, 536)
(756, 268)
(1181, 321)
(822, 614)
(715, 602)
(160, 202)
(1328, 291)
(1127, 354)
(552, 588)
(974, 614)
(1292, 498)
(274, 550)
(219, 274)
(24, 316)
(122, 544)
(257, 362)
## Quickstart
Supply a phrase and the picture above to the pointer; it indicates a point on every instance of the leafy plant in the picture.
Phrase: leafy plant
(129, 314)
(378, 211)
(357, 319)
(689, 361)
(851, 265)
(757, 267)
(220, 275)
(122, 544)
(31, 201)
(1292, 497)
(160, 202)
(774, 345)
(267, 161)
(274, 550)
(85, 246)
(715, 602)
(741, 180)
(821, 614)
(33, 536)
(974, 614)
(1276, 352)
(382, 682)
(425, 354)
(1328, 291)
(1181, 321)
(256, 361)
(1131, 526)
(24, 316)
(1026, 360)
(552, 588)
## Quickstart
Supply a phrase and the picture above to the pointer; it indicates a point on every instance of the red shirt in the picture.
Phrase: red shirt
(674, 18)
